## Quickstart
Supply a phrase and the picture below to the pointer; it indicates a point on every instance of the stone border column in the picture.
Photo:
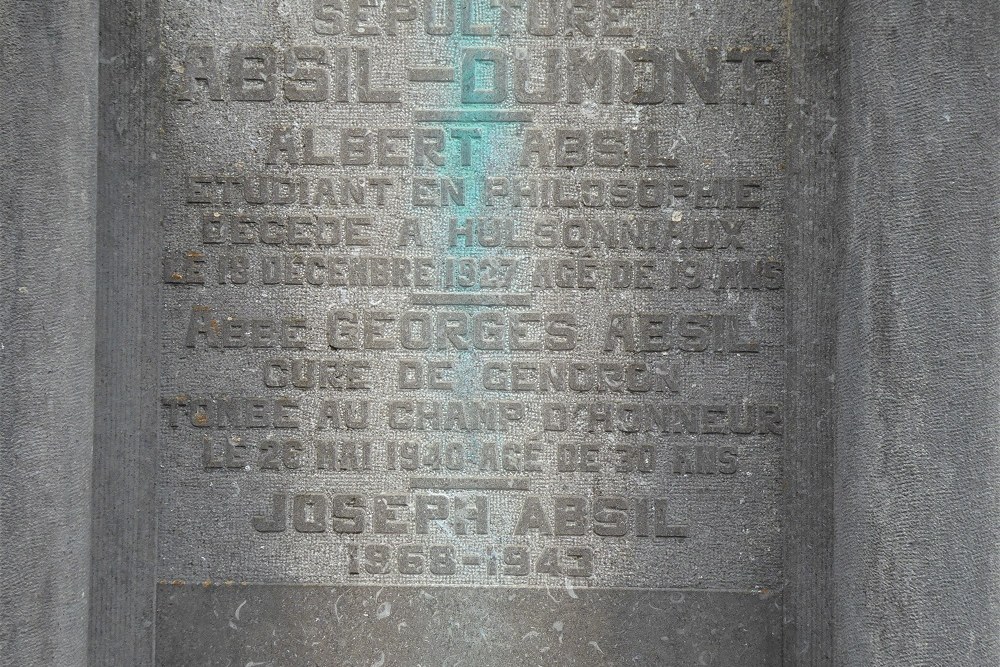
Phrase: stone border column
(48, 121)
(917, 551)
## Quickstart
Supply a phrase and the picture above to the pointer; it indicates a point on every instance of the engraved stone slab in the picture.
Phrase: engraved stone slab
(462, 296)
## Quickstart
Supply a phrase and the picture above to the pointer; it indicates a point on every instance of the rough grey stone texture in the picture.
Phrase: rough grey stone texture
(918, 536)
(810, 321)
(415, 627)
(121, 624)
(916, 252)
(204, 521)
(204, 525)
(48, 112)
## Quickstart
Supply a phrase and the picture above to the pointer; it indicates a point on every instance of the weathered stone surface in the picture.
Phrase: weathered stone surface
(48, 113)
(500, 333)
(361, 625)
(917, 480)
(491, 299)
(128, 319)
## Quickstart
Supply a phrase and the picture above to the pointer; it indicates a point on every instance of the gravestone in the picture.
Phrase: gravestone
(505, 332)
(469, 309)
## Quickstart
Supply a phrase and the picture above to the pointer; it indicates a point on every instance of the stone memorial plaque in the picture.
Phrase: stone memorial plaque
(476, 303)
(499, 332)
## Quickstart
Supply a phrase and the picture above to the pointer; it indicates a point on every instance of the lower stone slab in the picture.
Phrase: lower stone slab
(264, 625)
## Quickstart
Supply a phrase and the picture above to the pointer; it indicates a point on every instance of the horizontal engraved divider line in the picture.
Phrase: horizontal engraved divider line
(461, 299)
(468, 116)
(469, 484)
(374, 587)
(432, 74)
